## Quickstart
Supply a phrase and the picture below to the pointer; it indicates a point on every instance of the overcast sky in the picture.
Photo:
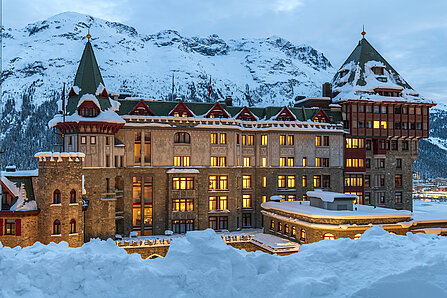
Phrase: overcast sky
(410, 34)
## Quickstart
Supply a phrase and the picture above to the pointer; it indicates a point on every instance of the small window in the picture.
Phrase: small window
(83, 140)
(328, 236)
(182, 137)
(72, 196)
(263, 140)
(72, 226)
(303, 235)
(57, 196)
(10, 227)
(56, 227)
(93, 140)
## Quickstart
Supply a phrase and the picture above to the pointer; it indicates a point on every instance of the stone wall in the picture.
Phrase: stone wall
(64, 174)
(28, 226)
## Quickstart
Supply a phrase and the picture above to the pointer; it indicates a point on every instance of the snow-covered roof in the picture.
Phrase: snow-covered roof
(23, 203)
(329, 196)
(356, 78)
(87, 97)
(13, 188)
(363, 211)
(57, 156)
(182, 171)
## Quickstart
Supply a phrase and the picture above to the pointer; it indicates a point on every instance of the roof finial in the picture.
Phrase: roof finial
(363, 32)
(88, 34)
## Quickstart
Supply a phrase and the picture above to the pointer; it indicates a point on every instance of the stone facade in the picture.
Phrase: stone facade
(65, 175)
(29, 230)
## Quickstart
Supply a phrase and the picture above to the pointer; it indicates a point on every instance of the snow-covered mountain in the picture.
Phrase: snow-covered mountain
(260, 72)
(39, 57)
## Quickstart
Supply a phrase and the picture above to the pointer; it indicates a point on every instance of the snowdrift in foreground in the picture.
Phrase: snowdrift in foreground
(202, 265)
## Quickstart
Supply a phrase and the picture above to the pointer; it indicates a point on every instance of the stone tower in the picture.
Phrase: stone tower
(58, 191)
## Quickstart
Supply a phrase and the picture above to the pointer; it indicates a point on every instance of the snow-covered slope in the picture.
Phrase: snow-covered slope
(39, 57)
(255, 71)
(202, 265)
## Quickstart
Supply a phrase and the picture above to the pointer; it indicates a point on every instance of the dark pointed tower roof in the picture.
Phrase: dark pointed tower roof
(356, 78)
(88, 79)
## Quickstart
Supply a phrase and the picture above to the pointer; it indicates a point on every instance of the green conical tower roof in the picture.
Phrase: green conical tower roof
(365, 52)
(88, 78)
(356, 78)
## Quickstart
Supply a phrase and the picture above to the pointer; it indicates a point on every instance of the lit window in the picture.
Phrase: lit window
(290, 140)
(357, 236)
(282, 161)
(264, 162)
(281, 181)
(214, 161)
(290, 162)
(304, 161)
(183, 205)
(304, 181)
(264, 181)
(10, 227)
(246, 201)
(218, 203)
(223, 138)
(282, 140)
(246, 181)
(83, 140)
(303, 235)
(328, 236)
(214, 138)
(180, 183)
(93, 140)
(318, 141)
(264, 199)
(291, 181)
(263, 140)
(246, 161)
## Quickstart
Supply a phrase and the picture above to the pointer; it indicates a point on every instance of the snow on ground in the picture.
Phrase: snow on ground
(429, 210)
(202, 265)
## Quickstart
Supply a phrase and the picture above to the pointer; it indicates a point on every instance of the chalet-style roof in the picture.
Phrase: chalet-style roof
(88, 80)
(201, 109)
(365, 72)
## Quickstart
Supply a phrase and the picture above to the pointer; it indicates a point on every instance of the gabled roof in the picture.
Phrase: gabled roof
(181, 108)
(217, 110)
(246, 114)
(356, 78)
(285, 115)
(321, 114)
(200, 109)
(141, 108)
(88, 79)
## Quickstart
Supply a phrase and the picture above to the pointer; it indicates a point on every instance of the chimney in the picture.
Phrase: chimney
(327, 90)
(229, 101)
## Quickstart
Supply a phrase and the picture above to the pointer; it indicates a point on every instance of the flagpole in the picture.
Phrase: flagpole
(172, 91)
(63, 113)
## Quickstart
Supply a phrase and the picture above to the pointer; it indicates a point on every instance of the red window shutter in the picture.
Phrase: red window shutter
(18, 227)
(1, 227)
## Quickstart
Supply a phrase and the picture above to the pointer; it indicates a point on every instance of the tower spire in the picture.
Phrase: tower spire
(88, 34)
(363, 32)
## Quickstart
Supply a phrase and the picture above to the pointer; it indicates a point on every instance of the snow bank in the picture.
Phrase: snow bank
(202, 265)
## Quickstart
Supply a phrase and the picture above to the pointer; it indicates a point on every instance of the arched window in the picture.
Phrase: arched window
(279, 227)
(303, 235)
(72, 226)
(57, 227)
(293, 232)
(72, 196)
(286, 229)
(272, 224)
(182, 137)
(57, 197)
(328, 236)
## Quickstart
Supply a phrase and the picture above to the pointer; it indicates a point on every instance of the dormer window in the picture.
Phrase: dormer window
(378, 70)
(88, 109)
(217, 112)
(181, 110)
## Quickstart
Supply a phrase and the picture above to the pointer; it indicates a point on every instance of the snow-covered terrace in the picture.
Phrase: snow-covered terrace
(359, 212)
